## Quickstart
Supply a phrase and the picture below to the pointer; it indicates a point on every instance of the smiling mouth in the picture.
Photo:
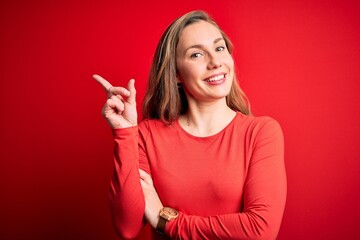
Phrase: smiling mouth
(215, 78)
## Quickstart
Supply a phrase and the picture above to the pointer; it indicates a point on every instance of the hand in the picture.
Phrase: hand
(120, 108)
(152, 200)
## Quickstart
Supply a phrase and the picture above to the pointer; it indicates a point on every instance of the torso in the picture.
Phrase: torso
(199, 175)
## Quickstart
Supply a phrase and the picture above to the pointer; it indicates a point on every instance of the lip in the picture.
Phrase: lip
(216, 82)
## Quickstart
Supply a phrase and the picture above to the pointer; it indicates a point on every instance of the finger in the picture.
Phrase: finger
(119, 97)
(118, 91)
(105, 84)
(109, 105)
(119, 105)
(108, 108)
(112, 106)
(132, 90)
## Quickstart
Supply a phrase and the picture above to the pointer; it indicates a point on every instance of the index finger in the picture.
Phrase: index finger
(105, 84)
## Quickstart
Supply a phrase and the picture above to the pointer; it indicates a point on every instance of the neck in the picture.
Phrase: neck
(206, 119)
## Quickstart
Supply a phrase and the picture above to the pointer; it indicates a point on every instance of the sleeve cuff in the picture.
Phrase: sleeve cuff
(120, 132)
(171, 224)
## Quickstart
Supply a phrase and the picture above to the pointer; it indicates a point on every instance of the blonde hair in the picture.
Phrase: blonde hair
(163, 99)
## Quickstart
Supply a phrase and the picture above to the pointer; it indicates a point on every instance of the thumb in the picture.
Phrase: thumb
(132, 90)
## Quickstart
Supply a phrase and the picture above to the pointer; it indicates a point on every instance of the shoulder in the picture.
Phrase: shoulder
(153, 126)
(259, 127)
(257, 122)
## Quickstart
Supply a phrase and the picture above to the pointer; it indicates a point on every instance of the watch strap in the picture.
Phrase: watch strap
(160, 227)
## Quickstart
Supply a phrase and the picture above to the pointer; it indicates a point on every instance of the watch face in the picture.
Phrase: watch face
(168, 213)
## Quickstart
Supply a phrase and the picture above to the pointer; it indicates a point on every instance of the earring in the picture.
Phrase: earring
(179, 85)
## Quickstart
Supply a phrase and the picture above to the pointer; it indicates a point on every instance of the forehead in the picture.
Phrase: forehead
(198, 33)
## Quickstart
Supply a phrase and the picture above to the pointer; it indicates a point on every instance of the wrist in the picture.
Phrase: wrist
(166, 215)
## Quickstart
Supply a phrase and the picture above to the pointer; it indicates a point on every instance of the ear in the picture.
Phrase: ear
(178, 79)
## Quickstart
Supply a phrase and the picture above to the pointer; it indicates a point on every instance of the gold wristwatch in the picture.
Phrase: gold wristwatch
(166, 214)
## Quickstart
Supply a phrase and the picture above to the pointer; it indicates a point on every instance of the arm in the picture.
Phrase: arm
(127, 202)
(264, 197)
(126, 197)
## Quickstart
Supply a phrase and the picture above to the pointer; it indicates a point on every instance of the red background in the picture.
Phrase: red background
(298, 62)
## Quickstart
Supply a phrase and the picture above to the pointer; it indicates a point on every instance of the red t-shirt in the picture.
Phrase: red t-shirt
(231, 185)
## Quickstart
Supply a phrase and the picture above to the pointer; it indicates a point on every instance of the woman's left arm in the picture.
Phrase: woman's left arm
(152, 200)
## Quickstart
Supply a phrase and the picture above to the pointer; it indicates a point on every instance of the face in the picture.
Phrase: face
(205, 67)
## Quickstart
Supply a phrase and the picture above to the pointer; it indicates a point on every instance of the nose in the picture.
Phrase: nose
(214, 62)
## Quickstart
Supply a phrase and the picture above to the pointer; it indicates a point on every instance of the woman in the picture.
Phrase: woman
(199, 166)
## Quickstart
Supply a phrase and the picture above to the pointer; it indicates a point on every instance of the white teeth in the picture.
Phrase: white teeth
(216, 78)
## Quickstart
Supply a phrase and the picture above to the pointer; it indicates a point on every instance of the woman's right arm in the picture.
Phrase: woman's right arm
(127, 203)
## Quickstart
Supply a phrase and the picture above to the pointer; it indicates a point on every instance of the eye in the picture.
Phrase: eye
(220, 49)
(196, 55)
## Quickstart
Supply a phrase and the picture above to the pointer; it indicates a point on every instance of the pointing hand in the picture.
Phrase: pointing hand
(120, 108)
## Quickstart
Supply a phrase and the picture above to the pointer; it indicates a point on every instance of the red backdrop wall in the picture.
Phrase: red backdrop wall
(298, 61)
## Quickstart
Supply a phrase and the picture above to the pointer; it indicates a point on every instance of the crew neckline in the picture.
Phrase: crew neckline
(178, 125)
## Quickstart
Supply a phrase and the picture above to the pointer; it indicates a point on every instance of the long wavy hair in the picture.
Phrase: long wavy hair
(163, 99)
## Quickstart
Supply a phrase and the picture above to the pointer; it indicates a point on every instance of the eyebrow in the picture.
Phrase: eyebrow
(201, 46)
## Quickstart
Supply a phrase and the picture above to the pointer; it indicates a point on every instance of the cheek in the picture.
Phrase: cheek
(229, 62)
(186, 72)
(230, 65)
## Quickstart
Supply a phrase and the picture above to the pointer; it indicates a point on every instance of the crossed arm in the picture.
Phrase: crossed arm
(134, 198)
